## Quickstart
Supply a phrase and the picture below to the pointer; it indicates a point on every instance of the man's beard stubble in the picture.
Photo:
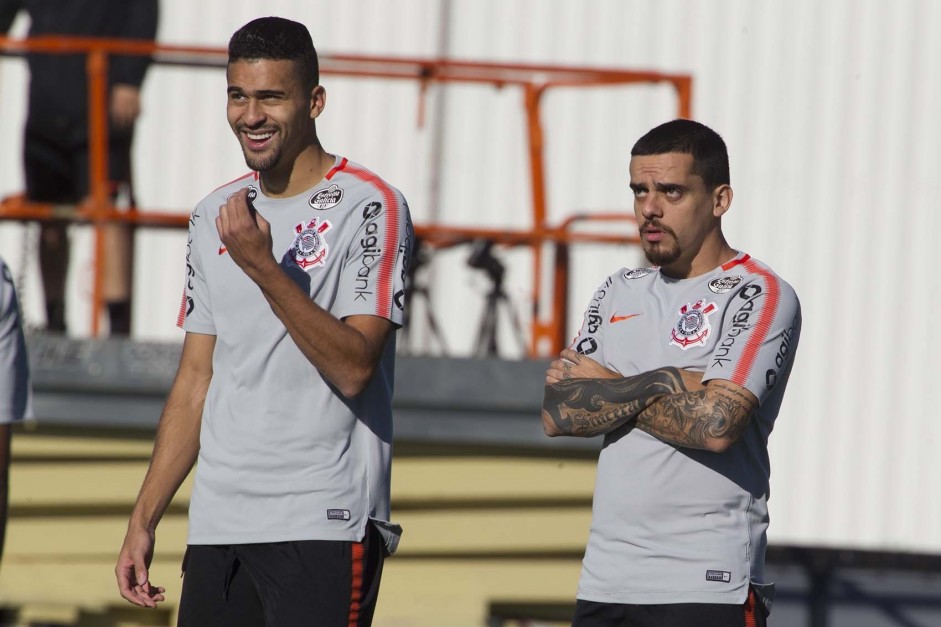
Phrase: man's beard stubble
(262, 164)
(662, 253)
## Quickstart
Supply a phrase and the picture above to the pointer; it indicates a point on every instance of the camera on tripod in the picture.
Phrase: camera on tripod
(481, 258)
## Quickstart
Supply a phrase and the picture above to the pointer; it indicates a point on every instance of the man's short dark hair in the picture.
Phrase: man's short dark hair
(277, 39)
(710, 156)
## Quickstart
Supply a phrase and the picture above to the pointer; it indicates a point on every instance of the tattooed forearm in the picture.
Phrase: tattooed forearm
(695, 421)
(588, 407)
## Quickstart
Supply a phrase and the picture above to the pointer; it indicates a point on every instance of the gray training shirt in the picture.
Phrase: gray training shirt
(283, 455)
(673, 524)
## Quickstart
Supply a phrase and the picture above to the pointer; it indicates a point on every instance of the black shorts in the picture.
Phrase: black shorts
(55, 160)
(751, 614)
(282, 584)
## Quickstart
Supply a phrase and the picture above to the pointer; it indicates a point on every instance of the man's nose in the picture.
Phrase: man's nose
(254, 113)
(650, 206)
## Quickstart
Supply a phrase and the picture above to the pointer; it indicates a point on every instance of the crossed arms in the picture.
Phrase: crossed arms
(584, 399)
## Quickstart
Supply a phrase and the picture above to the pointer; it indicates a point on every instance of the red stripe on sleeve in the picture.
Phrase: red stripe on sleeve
(390, 245)
(182, 315)
(356, 589)
(762, 327)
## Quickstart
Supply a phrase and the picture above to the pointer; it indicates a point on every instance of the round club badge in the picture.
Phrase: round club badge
(310, 246)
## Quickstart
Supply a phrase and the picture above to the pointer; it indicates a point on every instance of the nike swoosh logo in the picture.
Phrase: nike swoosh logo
(223, 250)
(617, 318)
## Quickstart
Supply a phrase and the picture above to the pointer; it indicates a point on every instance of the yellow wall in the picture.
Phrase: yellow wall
(479, 529)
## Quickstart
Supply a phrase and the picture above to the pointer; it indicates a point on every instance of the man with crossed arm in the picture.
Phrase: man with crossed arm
(682, 368)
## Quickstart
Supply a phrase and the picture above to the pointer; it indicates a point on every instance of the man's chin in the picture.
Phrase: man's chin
(657, 256)
(260, 164)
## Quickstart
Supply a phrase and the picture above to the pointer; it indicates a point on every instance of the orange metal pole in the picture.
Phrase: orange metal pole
(684, 92)
(540, 330)
(97, 67)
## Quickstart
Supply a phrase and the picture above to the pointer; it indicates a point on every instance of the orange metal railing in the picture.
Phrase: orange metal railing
(548, 323)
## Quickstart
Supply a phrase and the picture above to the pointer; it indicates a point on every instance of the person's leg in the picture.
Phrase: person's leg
(49, 179)
(118, 254)
(118, 261)
(317, 583)
(217, 591)
(54, 251)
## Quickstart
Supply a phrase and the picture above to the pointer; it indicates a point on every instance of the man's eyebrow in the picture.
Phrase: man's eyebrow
(261, 93)
(666, 187)
(638, 187)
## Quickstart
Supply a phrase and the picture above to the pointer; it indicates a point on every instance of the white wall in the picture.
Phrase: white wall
(830, 113)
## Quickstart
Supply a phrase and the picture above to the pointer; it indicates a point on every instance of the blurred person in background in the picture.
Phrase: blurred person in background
(682, 368)
(55, 147)
(15, 392)
(294, 289)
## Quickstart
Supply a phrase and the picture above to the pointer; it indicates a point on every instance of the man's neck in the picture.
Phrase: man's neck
(706, 260)
(307, 170)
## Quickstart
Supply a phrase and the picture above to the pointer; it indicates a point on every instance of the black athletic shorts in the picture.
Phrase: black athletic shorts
(751, 614)
(55, 159)
(311, 583)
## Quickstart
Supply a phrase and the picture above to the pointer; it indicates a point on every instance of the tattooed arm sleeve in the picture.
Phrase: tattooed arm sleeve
(712, 418)
(668, 403)
(588, 407)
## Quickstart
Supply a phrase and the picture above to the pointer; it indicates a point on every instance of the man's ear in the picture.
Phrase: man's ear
(318, 100)
(721, 200)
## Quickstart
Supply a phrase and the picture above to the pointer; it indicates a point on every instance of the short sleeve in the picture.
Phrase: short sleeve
(372, 281)
(760, 333)
(590, 338)
(195, 309)
(15, 391)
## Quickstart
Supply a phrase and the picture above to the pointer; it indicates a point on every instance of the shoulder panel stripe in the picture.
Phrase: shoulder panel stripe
(253, 174)
(738, 260)
(762, 327)
(340, 166)
(384, 285)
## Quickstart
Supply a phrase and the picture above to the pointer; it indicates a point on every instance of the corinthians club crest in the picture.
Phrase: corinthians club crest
(310, 247)
(693, 326)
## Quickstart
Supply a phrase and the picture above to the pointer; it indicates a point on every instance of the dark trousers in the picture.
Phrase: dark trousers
(751, 614)
(313, 583)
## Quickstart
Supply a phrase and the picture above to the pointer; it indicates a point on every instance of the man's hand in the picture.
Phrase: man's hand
(573, 365)
(131, 570)
(246, 235)
(124, 106)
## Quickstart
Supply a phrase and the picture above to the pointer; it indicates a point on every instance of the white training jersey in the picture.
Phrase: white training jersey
(283, 455)
(15, 391)
(673, 524)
